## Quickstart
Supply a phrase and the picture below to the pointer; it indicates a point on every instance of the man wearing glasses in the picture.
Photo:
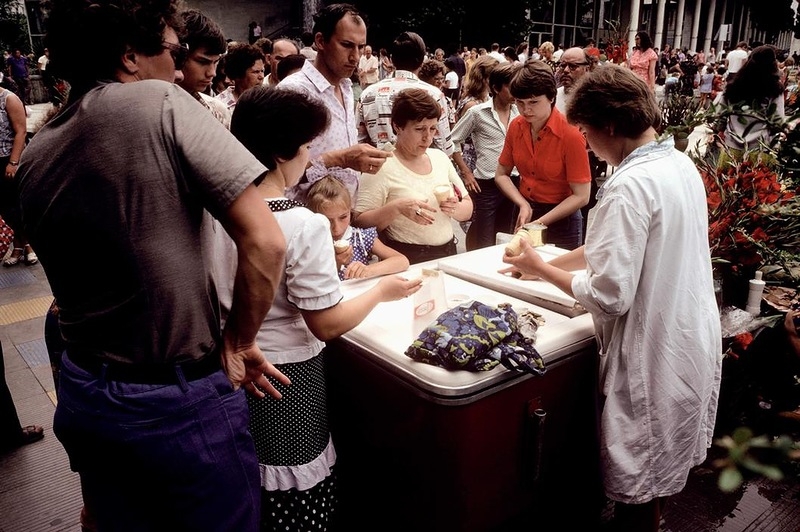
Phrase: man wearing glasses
(575, 62)
(151, 406)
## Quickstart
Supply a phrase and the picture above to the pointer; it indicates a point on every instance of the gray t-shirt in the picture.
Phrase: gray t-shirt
(113, 191)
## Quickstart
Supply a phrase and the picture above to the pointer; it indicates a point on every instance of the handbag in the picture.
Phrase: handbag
(477, 337)
(6, 237)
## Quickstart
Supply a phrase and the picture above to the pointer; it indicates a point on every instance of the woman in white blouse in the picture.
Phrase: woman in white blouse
(648, 285)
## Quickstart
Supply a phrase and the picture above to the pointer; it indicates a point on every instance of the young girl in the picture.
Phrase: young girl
(291, 434)
(329, 197)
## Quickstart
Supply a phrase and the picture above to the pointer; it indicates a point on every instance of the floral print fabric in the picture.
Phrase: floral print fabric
(477, 337)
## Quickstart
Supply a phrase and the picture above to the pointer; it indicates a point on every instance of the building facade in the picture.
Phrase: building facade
(692, 24)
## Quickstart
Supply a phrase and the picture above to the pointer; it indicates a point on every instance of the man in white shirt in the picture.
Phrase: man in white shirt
(735, 59)
(575, 62)
(43, 60)
(340, 34)
(368, 68)
(497, 54)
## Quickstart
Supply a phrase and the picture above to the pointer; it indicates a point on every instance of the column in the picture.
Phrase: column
(659, 33)
(676, 42)
(709, 26)
(722, 38)
(633, 27)
(698, 4)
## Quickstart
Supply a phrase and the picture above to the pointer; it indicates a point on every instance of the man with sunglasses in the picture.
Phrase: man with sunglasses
(575, 63)
(151, 406)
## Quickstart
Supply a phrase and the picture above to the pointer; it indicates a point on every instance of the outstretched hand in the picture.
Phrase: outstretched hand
(394, 287)
(365, 158)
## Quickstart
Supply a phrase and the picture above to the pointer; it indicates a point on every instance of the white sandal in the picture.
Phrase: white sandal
(31, 258)
(14, 260)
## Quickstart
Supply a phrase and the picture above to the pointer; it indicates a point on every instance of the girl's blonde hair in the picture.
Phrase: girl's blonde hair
(327, 190)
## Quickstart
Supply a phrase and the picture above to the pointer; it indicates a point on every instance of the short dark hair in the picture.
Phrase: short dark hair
(289, 64)
(239, 58)
(326, 19)
(407, 51)
(500, 75)
(534, 78)
(614, 96)
(264, 44)
(203, 32)
(273, 123)
(645, 42)
(414, 104)
(307, 38)
(107, 28)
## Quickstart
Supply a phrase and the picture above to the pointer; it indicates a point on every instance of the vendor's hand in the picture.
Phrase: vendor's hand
(394, 287)
(344, 257)
(524, 216)
(449, 205)
(526, 265)
(247, 366)
(365, 158)
(356, 270)
(470, 182)
(418, 211)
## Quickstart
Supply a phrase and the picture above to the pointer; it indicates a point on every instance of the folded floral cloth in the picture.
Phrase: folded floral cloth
(476, 337)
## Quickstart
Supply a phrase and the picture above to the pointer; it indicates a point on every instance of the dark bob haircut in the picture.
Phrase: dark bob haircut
(614, 97)
(273, 123)
(414, 104)
(534, 78)
(240, 57)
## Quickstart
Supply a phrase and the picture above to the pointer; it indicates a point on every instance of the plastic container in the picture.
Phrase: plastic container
(754, 295)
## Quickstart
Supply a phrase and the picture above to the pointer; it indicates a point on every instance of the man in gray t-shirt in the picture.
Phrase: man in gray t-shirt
(151, 408)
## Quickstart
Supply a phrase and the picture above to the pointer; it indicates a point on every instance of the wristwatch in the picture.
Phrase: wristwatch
(13, 163)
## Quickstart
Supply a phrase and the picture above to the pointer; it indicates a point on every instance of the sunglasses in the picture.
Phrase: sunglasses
(179, 53)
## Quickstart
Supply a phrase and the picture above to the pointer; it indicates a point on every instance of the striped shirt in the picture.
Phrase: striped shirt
(488, 133)
(374, 111)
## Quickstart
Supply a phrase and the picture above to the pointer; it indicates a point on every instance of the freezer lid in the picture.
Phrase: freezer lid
(389, 329)
(481, 266)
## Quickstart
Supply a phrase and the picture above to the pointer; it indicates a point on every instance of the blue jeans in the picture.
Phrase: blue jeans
(492, 212)
(160, 457)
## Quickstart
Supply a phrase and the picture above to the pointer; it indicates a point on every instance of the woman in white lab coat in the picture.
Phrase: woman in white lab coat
(648, 285)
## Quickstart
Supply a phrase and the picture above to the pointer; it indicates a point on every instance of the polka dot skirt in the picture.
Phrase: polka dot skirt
(293, 510)
(292, 430)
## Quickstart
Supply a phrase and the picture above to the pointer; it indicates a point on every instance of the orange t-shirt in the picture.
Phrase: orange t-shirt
(548, 167)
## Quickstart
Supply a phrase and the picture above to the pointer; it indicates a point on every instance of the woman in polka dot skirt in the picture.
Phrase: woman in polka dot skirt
(329, 197)
(291, 434)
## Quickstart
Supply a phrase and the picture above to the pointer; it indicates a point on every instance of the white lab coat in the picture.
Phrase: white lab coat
(648, 285)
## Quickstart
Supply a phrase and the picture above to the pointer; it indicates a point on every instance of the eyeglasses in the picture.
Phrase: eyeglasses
(572, 66)
(179, 53)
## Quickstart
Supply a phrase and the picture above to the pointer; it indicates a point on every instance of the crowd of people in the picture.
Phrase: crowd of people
(269, 171)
